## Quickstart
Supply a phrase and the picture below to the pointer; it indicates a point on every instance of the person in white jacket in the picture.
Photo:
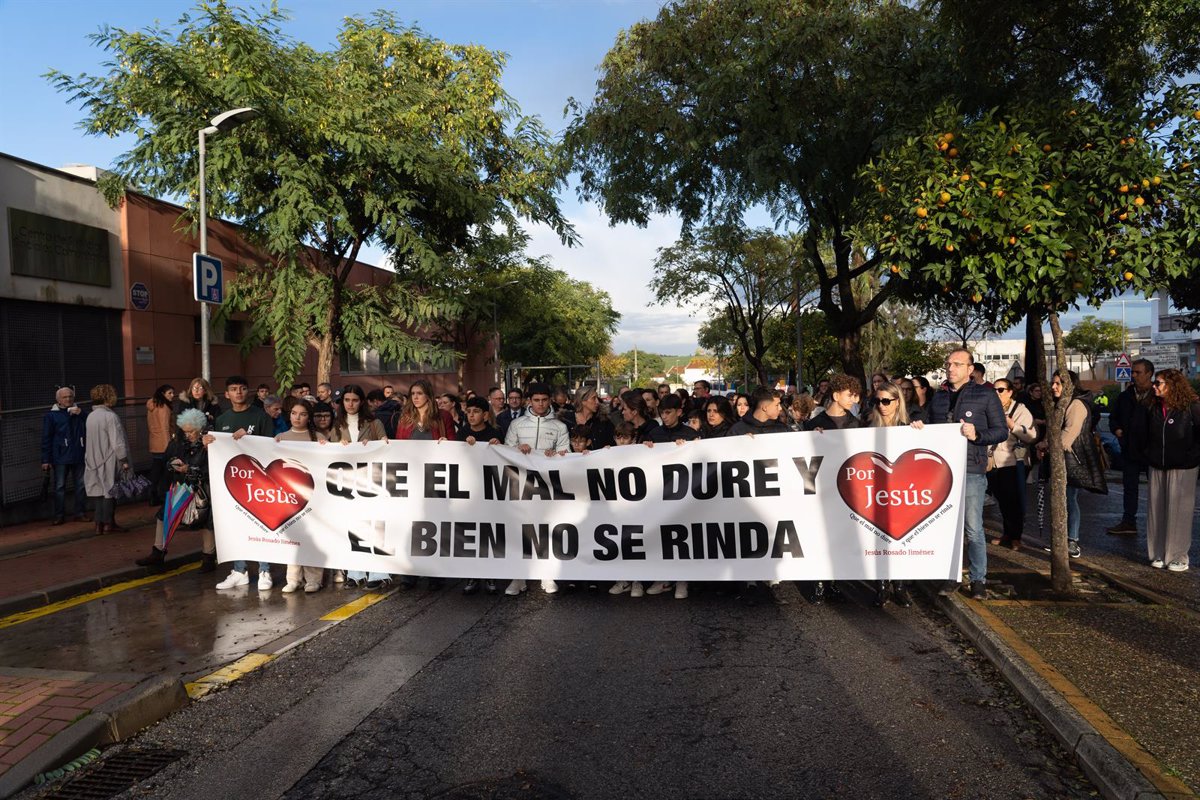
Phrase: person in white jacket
(1007, 478)
(537, 431)
(106, 456)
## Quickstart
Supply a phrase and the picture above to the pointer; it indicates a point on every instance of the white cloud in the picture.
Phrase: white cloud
(619, 260)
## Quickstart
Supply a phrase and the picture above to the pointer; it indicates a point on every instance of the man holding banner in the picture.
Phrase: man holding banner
(980, 416)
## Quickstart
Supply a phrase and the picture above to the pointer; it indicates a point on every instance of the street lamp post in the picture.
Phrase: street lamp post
(221, 123)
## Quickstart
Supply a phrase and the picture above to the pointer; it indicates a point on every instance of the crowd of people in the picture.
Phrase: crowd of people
(1156, 421)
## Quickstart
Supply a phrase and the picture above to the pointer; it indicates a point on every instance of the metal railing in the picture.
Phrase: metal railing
(21, 476)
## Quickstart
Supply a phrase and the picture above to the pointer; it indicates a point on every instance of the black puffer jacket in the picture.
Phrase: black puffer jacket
(1172, 439)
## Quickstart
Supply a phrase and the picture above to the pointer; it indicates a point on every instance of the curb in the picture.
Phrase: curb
(65, 591)
(119, 718)
(1114, 775)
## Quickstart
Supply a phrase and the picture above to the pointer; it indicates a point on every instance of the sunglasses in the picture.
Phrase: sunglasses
(884, 401)
(1155, 382)
(1002, 390)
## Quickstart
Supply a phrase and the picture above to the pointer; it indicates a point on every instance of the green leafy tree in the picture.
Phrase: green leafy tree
(1092, 337)
(913, 357)
(1039, 208)
(390, 138)
(743, 276)
(714, 107)
(642, 365)
(821, 353)
(548, 318)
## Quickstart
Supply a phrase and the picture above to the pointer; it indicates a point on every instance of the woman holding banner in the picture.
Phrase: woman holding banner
(423, 421)
(888, 409)
(187, 463)
(298, 413)
(356, 423)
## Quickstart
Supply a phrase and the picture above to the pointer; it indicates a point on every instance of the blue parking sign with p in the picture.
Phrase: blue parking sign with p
(206, 279)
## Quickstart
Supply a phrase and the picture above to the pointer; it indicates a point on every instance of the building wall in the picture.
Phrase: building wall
(148, 245)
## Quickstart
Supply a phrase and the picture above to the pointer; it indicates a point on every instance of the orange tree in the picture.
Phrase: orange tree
(1035, 211)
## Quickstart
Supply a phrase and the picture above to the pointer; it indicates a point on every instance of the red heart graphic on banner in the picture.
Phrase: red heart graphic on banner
(895, 496)
(273, 494)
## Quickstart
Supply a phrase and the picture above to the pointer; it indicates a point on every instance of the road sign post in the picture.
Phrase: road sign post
(207, 283)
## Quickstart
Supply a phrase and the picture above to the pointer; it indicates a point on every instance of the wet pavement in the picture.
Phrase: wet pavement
(180, 625)
(589, 696)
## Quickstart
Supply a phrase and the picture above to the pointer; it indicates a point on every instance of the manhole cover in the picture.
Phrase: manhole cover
(115, 774)
(521, 786)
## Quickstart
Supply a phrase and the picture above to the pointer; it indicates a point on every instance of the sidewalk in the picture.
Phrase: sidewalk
(1125, 655)
(41, 564)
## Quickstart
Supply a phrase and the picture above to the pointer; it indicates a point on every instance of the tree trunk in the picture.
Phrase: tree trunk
(325, 358)
(852, 363)
(1060, 562)
(1035, 351)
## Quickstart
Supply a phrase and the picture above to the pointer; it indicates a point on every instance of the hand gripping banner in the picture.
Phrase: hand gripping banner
(873, 503)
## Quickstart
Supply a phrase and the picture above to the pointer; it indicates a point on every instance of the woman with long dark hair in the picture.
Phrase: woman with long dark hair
(298, 413)
(160, 427)
(422, 420)
(718, 417)
(1172, 449)
(354, 422)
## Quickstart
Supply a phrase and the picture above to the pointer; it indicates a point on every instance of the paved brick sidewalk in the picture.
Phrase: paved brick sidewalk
(33, 709)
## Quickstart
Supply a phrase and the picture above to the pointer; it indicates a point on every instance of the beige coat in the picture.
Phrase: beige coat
(106, 449)
(160, 424)
(1022, 432)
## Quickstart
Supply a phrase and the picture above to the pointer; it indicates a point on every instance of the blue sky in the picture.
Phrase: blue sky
(554, 47)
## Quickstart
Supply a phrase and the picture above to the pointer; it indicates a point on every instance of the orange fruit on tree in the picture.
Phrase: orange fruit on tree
(895, 268)
(1196, 115)
(944, 197)
(1156, 180)
(1128, 276)
(1012, 240)
(1145, 183)
(1139, 201)
(953, 153)
(887, 217)
(1124, 188)
(922, 212)
(964, 177)
(921, 227)
(949, 137)
(999, 193)
(1123, 216)
(976, 298)
(949, 248)
(1112, 251)
(1046, 148)
(943, 146)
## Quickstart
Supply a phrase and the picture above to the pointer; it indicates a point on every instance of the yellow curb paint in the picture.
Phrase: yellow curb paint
(248, 663)
(1116, 736)
(226, 675)
(354, 606)
(71, 602)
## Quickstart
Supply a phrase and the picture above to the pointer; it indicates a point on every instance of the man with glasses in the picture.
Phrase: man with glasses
(63, 439)
(1121, 423)
(977, 411)
(516, 408)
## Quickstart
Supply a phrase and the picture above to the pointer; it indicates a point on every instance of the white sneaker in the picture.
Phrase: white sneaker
(1177, 566)
(658, 587)
(549, 587)
(635, 589)
(1157, 563)
(264, 580)
(235, 579)
(515, 588)
(620, 587)
(309, 588)
(290, 587)
(681, 590)
(339, 576)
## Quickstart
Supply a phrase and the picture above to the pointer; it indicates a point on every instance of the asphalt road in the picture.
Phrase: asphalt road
(431, 694)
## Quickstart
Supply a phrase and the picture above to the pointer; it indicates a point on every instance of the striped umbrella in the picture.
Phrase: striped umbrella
(178, 499)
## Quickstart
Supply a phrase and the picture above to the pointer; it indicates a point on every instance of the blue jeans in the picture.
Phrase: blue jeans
(358, 575)
(240, 566)
(1073, 513)
(976, 488)
(60, 489)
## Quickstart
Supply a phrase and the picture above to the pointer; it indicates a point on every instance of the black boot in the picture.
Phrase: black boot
(472, 587)
(901, 596)
(881, 594)
(208, 563)
(818, 595)
(489, 586)
(155, 559)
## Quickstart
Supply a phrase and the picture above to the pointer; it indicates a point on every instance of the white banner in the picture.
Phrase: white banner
(860, 504)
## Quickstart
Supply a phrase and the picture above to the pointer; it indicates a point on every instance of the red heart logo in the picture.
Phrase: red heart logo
(273, 494)
(895, 496)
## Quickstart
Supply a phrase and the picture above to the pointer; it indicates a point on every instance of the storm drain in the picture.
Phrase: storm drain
(115, 774)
